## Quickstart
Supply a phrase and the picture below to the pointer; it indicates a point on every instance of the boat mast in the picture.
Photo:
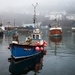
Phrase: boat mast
(14, 22)
(57, 20)
(8, 26)
(34, 19)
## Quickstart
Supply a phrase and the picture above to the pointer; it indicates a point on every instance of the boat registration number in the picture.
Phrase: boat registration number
(27, 49)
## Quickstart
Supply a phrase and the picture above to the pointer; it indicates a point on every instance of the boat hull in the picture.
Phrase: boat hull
(55, 32)
(23, 51)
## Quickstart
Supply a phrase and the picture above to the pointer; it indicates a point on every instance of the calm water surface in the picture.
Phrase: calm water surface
(59, 59)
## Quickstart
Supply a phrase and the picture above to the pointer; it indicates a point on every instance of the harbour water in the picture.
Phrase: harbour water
(59, 59)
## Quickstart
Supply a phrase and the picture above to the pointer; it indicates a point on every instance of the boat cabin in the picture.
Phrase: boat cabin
(36, 35)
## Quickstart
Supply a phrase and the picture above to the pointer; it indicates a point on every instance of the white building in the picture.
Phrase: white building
(56, 15)
(71, 17)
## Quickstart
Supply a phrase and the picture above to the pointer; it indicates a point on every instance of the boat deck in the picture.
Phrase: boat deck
(33, 42)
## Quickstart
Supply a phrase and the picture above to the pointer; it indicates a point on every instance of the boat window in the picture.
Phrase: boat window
(37, 36)
(33, 36)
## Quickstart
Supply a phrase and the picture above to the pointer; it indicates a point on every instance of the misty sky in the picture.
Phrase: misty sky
(7, 7)
(19, 5)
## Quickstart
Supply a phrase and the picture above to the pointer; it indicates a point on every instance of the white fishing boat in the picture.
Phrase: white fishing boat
(2, 29)
(55, 29)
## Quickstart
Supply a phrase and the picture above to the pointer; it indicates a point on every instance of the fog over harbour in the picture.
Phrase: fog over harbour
(22, 10)
(43, 5)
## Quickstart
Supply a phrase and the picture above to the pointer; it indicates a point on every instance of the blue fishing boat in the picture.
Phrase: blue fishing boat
(25, 66)
(33, 45)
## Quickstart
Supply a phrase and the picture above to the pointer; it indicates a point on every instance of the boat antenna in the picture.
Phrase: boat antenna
(34, 19)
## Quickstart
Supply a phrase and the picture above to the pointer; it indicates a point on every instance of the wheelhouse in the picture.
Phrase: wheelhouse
(37, 35)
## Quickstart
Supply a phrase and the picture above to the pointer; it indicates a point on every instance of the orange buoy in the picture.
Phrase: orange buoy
(45, 45)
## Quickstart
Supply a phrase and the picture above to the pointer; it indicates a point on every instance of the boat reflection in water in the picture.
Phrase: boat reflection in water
(73, 38)
(55, 41)
(24, 66)
(1, 40)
